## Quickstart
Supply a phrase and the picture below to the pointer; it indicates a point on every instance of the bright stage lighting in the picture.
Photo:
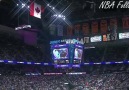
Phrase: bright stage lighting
(17, 4)
(53, 8)
(28, 6)
(47, 4)
(23, 5)
(59, 15)
(55, 15)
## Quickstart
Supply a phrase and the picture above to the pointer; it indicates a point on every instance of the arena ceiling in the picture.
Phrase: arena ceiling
(74, 10)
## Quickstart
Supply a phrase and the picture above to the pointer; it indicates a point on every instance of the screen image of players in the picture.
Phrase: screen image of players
(61, 53)
(77, 53)
(56, 54)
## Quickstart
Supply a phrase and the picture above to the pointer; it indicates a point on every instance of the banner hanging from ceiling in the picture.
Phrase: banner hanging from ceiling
(52, 29)
(85, 28)
(69, 31)
(103, 26)
(60, 30)
(125, 21)
(94, 27)
(77, 29)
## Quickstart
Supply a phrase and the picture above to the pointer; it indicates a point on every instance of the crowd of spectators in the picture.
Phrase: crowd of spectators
(114, 81)
(16, 79)
(15, 49)
(106, 53)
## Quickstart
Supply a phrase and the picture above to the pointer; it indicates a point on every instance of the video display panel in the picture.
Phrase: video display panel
(60, 52)
(78, 51)
(66, 55)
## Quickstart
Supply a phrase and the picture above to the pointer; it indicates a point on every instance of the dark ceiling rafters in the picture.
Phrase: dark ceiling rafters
(77, 9)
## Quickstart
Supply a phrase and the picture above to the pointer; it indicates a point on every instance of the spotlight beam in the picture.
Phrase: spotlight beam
(14, 7)
(66, 8)
(18, 10)
(67, 22)
(55, 11)
(22, 12)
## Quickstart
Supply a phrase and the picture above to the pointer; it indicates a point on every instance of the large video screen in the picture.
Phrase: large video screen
(60, 52)
(78, 51)
(66, 55)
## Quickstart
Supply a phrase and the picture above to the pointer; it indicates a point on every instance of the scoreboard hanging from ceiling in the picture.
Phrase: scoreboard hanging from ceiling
(66, 53)
(69, 52)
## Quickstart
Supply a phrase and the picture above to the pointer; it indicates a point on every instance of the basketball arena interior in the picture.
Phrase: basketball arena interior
(64, 45)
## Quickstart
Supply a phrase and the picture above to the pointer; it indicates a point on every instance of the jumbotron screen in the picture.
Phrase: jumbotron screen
(78, 53)
(66, 54)
(60, 53)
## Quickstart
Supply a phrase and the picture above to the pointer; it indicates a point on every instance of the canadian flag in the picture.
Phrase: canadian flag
(35, 10)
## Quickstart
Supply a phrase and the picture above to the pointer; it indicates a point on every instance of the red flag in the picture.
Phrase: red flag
(35, 10)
